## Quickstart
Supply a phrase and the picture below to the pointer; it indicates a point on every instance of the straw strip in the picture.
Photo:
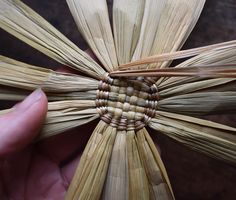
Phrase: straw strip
(93, 22)
(225, 55)
(200, 103)
(65, 115)
(120, 160)
(127, 176)
(159, 184)
(135, 169)
(90, 174)
(15, 94)
(178, 17)
(152, 11)
(138, 182)
(3, 112)
(16, 18)
(127, 20)
(174, 55)
(204, 85)
(211, 71)
(117, 179)
(21, 75)
(91, 146)
(215, 140)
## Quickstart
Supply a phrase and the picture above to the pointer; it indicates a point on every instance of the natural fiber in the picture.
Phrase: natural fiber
(120, 160)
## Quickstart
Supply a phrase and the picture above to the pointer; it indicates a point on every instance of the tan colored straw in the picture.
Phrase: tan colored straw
(131, 88)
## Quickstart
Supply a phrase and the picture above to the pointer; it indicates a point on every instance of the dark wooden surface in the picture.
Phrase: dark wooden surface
(193, 175)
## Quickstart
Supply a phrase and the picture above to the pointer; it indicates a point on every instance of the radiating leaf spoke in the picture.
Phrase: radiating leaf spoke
(169, 56)
(120, 160)
(93, 22)
(213, 139)
(90, 175)
(65, 115)
(167, 32)
(21, 78)
(200, 103)
(16, 18)
(117, 180)
(224, 55)
(159, 184)
(127, 20)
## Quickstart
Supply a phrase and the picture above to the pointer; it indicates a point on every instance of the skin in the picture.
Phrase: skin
(41, 170)
(36, 171)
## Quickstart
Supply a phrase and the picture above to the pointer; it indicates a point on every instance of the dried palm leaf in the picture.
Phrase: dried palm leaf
(127, 20)
(120, 160)
(174, 55)
(157, 29)
(211, 138)
(16, 18)
(21, 75)
(93, 23)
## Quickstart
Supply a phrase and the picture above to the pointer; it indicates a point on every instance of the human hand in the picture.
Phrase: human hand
(40, 170)
(36, 171)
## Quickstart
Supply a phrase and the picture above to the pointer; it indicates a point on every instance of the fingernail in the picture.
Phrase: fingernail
(29, 101)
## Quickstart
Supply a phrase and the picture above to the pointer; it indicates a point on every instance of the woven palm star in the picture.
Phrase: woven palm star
(120, 160)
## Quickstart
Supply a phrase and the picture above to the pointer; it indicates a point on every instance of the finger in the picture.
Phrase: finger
(44, 180)
(20, 126)
(68, 171)
(64, 147)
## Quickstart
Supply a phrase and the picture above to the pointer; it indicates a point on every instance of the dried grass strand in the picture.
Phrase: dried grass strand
(127, 20)
(201, 103)
(159, 184)
(24, 76)
(92, 20)
(117, 180)
(161, 19)
(215, 140)
(210, 71)
(90, 175)
(65, 115)
(220, 56)
(16, 18)
(173, 55)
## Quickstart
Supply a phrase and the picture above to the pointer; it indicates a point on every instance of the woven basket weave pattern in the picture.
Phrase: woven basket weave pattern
(127, 104)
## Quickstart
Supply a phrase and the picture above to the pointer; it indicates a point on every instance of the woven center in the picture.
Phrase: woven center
(127, 104)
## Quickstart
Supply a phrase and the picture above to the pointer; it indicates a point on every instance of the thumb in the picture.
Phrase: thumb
(20, 126)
